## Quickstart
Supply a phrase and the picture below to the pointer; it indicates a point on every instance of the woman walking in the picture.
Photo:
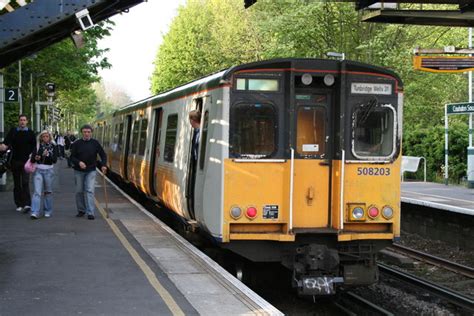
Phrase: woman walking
(45, 156)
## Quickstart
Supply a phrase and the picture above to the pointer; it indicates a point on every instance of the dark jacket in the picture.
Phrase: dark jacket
(21, 143)
(87, 151)
(68, 140)
(50, 159)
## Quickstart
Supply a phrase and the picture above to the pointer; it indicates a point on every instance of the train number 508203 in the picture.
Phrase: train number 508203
(373, 171)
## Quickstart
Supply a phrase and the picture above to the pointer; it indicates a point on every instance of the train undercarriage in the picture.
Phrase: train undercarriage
(319, 265)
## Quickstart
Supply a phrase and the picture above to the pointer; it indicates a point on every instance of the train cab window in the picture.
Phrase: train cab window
(170, 140)
(311, 131)
(142, 142)
(135, 134)
(203, 141)
(253, 131)
(257, 84)
(373, 130)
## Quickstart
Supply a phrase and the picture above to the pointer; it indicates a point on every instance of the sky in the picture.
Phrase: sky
(134, 43)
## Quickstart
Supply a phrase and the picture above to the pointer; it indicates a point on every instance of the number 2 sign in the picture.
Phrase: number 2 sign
(11, 94)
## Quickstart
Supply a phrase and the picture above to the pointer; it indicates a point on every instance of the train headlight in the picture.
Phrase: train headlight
(387, 212)
(235, 212)
(373, 212)
(251, 212)
(357, 213)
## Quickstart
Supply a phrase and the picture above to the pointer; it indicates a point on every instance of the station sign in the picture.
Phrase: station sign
(11, 94)
(460, 108)
(444, 63)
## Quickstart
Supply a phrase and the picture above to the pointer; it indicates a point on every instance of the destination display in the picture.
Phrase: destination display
(460, 108)
(443, 63)
(371, 88)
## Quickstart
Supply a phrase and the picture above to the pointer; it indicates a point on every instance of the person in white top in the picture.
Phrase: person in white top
(45, 155)
(61, 143)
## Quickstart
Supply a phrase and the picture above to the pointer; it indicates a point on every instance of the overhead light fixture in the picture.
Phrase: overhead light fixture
(84, 19)
(78, 38)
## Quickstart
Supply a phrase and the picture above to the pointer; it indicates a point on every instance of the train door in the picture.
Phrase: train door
(201, 168)
(128, 129)
(192, 166)
(311, 192)
(155, 149)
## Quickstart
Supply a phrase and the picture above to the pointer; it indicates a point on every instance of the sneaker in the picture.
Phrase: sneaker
(34, 216)
(27, 209)
(91, 217)
(80, 214)
(19, 209)
(47, 215)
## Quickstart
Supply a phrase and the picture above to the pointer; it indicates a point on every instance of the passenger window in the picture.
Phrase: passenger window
(120, 137)
(253, 131)
(373, 130)
(203, 141)
(311, 131)
(142, 142)
(170, 140)
(135, 133)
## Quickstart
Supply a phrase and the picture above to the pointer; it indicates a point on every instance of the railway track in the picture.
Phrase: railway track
(352, 304)
(433, 260)
(446, 294)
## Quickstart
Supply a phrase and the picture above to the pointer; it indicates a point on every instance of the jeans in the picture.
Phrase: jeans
(21, 180)
(85, 186)
(42, 178)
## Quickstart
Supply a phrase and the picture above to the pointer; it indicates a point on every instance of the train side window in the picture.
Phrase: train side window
(142, 142)
(120, 137)
(253, 131)
(311, 131)
(135, 134)
(170, 139)
(373, 130)
(203, 141)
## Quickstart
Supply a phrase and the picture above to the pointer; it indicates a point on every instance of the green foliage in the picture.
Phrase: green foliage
(208, 35)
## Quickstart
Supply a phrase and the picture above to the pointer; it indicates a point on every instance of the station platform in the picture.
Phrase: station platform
(125, 262)
(435, 195)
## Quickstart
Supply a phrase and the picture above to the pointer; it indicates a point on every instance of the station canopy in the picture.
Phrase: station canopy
(460, 13)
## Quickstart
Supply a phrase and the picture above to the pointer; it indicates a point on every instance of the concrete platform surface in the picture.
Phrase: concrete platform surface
(128, 263)
(445, 197)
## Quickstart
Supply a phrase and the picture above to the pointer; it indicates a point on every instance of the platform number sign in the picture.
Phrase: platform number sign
(11, 94)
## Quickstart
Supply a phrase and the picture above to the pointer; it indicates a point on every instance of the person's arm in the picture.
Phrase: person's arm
(54, 158)
(34, 153)
(103, 158)
(74, 159)
(7, 142)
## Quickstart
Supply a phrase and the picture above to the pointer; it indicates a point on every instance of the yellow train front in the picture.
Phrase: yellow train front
(299, 163)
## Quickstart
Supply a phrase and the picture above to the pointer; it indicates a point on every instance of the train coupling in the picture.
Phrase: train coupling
(315, 270)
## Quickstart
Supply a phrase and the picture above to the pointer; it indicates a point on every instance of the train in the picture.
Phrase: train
(298, 163)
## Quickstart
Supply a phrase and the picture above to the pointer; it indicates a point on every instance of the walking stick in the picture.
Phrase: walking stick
(106, 196)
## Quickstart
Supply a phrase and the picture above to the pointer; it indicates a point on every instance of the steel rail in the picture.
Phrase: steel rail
(371, 307)
(437, 261)
(438, 290)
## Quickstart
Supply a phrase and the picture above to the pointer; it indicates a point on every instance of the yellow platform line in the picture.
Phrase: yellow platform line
(150, 275)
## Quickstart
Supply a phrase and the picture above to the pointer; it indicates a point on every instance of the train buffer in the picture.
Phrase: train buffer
(128, 263)
(439, 196)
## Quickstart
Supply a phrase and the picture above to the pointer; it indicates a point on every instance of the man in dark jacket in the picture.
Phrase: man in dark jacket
(21, 140)
(84, 153)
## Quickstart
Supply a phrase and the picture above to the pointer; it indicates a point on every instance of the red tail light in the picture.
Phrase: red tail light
(251, 212)
(373, 212)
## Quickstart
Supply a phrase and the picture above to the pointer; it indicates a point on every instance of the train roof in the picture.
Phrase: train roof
(221, 78)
